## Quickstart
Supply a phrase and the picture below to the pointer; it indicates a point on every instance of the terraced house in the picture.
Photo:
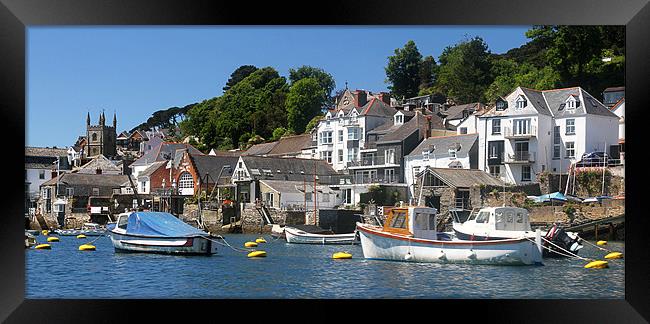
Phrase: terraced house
(530, 131)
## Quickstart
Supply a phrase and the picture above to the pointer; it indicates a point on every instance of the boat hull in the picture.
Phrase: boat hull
(377, 244)
(78, 232)
(293, 235)
(194, 245)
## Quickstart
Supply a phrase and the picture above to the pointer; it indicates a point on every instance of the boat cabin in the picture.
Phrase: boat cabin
(419, 222)
(500, 218)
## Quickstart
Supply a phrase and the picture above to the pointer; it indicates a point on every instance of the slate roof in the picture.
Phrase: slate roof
(260, 149)
(83, 179)
(99, 162)
(463, 178)
(212, 164)
(456, 112)
(45, 151)
(418, 122)
(164, 151)
(376, 107)
(290, 168)
(552, 103)
(152, 168)
(290, 145)
(443, 143)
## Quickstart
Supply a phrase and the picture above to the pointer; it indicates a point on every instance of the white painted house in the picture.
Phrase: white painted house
(340, 136)
(449, 152)
(530, 131)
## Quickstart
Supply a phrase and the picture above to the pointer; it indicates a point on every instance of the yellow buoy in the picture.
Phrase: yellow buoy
(257, 254)
(43, 247)
(598, 264)
(601, 243)
(341, 255)
(260, 240)
(45, 232)
(250, 244)
(86, 247)
(52, 239)
(81, 236)
(614, 255)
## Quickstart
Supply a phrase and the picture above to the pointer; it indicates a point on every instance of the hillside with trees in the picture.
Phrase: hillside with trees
(258, 104)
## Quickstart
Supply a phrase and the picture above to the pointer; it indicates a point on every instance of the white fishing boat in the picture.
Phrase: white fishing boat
(295, 235)
(409, 234)
(498, 223)
(30, 240)
(88, 229)
(157, 232)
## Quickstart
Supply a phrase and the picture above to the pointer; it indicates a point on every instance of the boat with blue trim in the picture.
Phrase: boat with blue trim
(159, 232)
(499, 223)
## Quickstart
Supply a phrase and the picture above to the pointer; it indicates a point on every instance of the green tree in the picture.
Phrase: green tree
(278, 133)
(428, 71)
(239, 74)
(313, 122)
(464, 71)
(325, 80)
(303, 103)
(403, 71)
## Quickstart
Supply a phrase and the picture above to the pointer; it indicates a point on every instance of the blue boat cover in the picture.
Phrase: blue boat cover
(160, 224)
(556, 195)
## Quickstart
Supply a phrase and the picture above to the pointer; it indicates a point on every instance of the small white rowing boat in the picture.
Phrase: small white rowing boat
(294, 235)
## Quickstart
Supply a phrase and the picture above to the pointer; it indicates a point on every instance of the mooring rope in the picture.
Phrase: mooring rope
(594, 245)
(569, 253)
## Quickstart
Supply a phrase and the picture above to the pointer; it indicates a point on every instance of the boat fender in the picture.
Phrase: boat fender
(45, 232)
(341, 255)
(442, 255)
(598, 264)
(471, 255)
(601, 243)
(614, 255)
(260, 240)
(408, 256)
(43, 247)
(81, 236)
(53, 239)
(250, 244)
(257, 254)
(86, 247)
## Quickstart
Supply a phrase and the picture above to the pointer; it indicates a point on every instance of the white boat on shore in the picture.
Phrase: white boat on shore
(295, 235)
(157, 232)
(409, 234)
(498, 223)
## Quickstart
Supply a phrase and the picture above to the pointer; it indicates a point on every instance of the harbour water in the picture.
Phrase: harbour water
(303, 271)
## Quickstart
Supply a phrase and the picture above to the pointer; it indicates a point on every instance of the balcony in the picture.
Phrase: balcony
(520, 158)
(519, 133)
(372, 161)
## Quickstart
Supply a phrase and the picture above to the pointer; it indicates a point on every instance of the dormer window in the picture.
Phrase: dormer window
(572, 102)
(341, 114)
(501, 105)
(399, 119)
(521, 103)
(328, 116)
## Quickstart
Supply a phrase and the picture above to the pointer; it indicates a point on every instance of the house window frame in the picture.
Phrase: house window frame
(526, 175)
(521, 103)
(570, 153)
(69, 191)
(570, 129)
(495, 170)
(184, 182)
(496, 129)
(389, 156)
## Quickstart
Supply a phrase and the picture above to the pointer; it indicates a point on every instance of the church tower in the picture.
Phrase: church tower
(101, 139)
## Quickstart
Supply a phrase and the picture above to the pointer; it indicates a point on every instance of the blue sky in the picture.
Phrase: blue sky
(135, 71)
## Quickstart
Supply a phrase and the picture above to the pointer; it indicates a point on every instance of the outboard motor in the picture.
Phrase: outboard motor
(560, 238)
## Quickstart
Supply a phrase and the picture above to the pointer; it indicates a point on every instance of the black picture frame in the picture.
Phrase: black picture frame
(17, 15)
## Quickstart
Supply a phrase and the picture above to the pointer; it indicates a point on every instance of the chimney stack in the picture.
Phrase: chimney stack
(360, 97)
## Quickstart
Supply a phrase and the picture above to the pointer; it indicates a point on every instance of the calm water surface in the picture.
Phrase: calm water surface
(302, 271)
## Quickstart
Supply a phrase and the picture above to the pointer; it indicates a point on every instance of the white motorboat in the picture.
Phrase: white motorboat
(30, 240)
(157, 232)
(295, 235)
(498, 223)
(409, 234)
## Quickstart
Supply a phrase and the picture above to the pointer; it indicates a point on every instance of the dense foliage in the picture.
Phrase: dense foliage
(260, 105)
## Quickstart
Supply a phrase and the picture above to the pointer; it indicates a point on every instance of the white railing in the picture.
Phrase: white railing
(515, 132)
(520, 157)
